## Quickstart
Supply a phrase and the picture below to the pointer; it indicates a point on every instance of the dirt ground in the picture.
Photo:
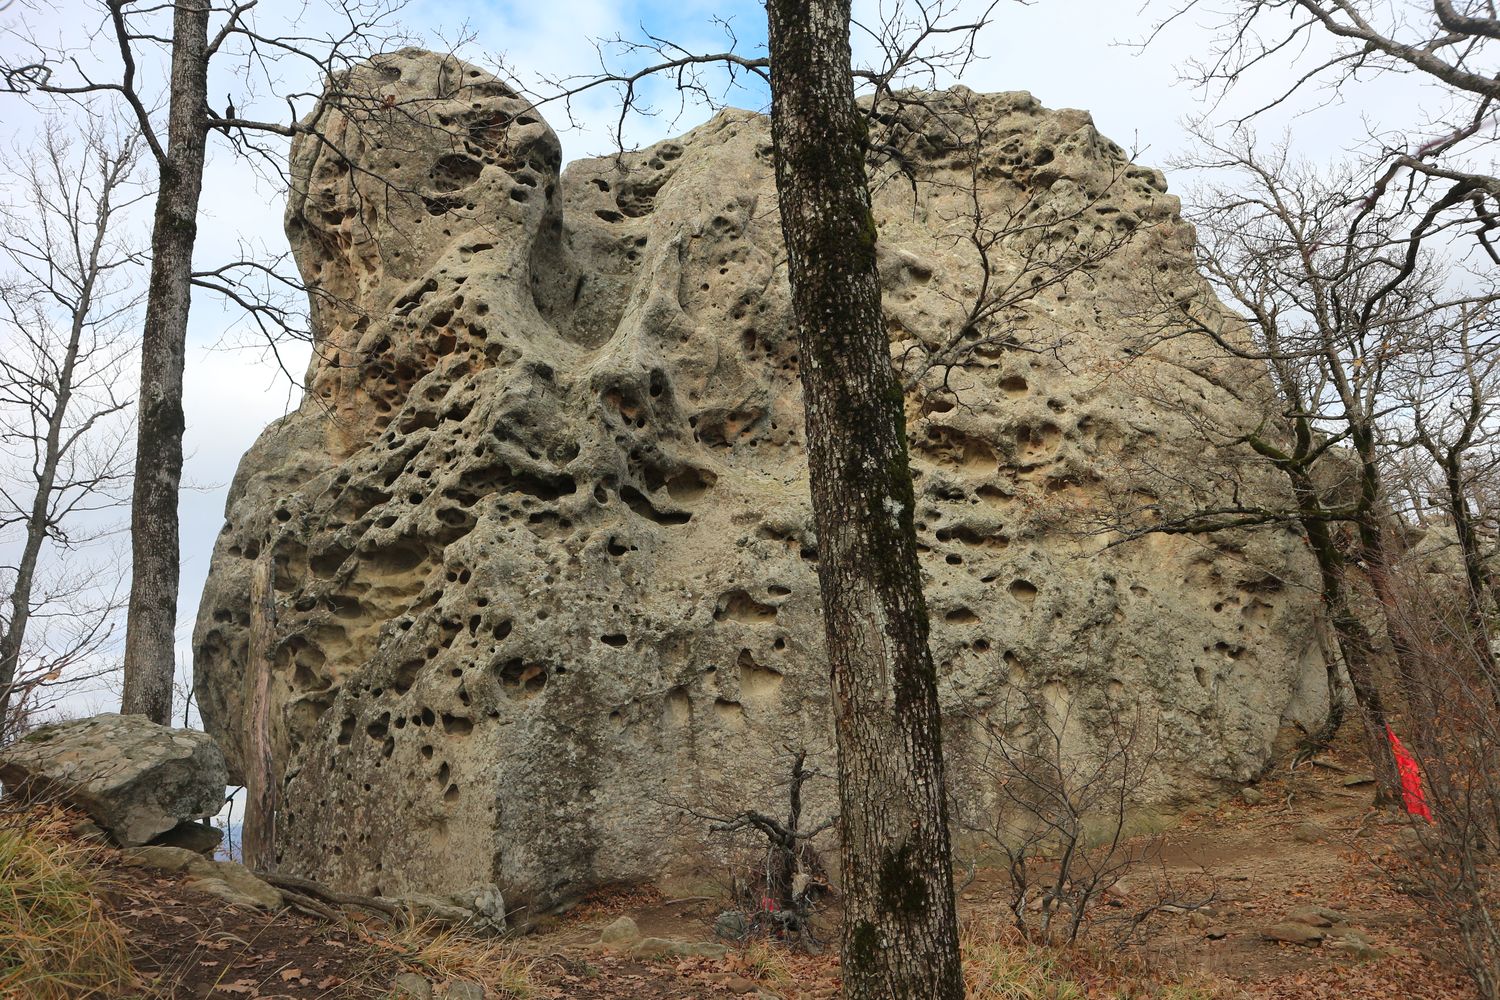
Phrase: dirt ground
(1312, 840)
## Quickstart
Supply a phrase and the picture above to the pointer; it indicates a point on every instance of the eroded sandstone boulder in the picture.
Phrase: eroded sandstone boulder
(543, 558)
(138, 780)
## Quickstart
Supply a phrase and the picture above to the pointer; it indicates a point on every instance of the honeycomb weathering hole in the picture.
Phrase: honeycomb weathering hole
(1024, 591)
(455, 172)
(739, 606)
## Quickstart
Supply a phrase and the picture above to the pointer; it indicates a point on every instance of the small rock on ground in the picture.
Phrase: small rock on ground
(667, 948)
(410, 986)
(1354, 944)
(159, 858)
(621, 933)
(1292, 933)
(1309, 833)
(1316, 916)
(134, 778)
(232, 882)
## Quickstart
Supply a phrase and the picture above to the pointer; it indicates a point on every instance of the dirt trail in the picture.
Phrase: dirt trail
(1311, 840)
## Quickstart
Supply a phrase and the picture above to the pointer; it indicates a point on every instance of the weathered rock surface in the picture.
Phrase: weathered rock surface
(1292, 933)
(233, 883)
(138, 780)
(540, 527)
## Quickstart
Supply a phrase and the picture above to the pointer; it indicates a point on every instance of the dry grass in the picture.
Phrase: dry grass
(768, 962)
(999, 965)
(443, 953)
(57, 941)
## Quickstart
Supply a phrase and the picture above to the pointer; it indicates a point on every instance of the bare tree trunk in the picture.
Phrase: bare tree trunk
(259, 835)
(900, 929)
(1375, 557)
(1355, 644)
(39, 524)
(66, 271)
(151, 625)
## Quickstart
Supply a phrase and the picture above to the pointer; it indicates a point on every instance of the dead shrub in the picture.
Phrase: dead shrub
(1056, 802)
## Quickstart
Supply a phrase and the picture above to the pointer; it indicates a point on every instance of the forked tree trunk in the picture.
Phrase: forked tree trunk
(900, 930)
(151, 624)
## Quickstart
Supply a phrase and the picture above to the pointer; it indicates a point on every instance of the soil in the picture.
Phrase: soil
(1314, 840)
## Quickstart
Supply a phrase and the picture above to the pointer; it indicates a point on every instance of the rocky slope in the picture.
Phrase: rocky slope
(543, 562)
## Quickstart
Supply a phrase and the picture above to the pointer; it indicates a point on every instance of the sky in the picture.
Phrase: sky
(1068, 53)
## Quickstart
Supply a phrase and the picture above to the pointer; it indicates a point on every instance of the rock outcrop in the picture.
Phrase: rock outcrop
(141, 782)
(543, 563)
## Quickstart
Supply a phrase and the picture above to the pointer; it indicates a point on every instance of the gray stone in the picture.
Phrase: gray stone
(542, 523)
(1354, 944)
(1309, 833)
(160, 858)
(732, 925)
(1292, 933)
(620, 934)
(410, 986)
(200, 838)
(232, 881)
(460, 990)
(485, 905)
(136, 779)
(1252, 796)
(654, 947)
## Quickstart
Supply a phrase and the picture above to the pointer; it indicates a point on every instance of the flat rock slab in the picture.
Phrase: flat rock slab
(233, 883)
(652, 947)
(229, 880)
(137, 779)
(1316, 916)
(1292, 933)
(159, 857)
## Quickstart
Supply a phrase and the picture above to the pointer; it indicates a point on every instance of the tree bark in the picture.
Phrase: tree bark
(1355, 644)
(900, 939)
(259, 834)
(151, 624)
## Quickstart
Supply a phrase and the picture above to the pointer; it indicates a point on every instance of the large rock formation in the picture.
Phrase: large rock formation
(540, 527)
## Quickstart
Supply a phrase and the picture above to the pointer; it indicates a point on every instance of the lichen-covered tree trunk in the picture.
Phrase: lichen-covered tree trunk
(151, 623)
(1355, 643)
(900, 930)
